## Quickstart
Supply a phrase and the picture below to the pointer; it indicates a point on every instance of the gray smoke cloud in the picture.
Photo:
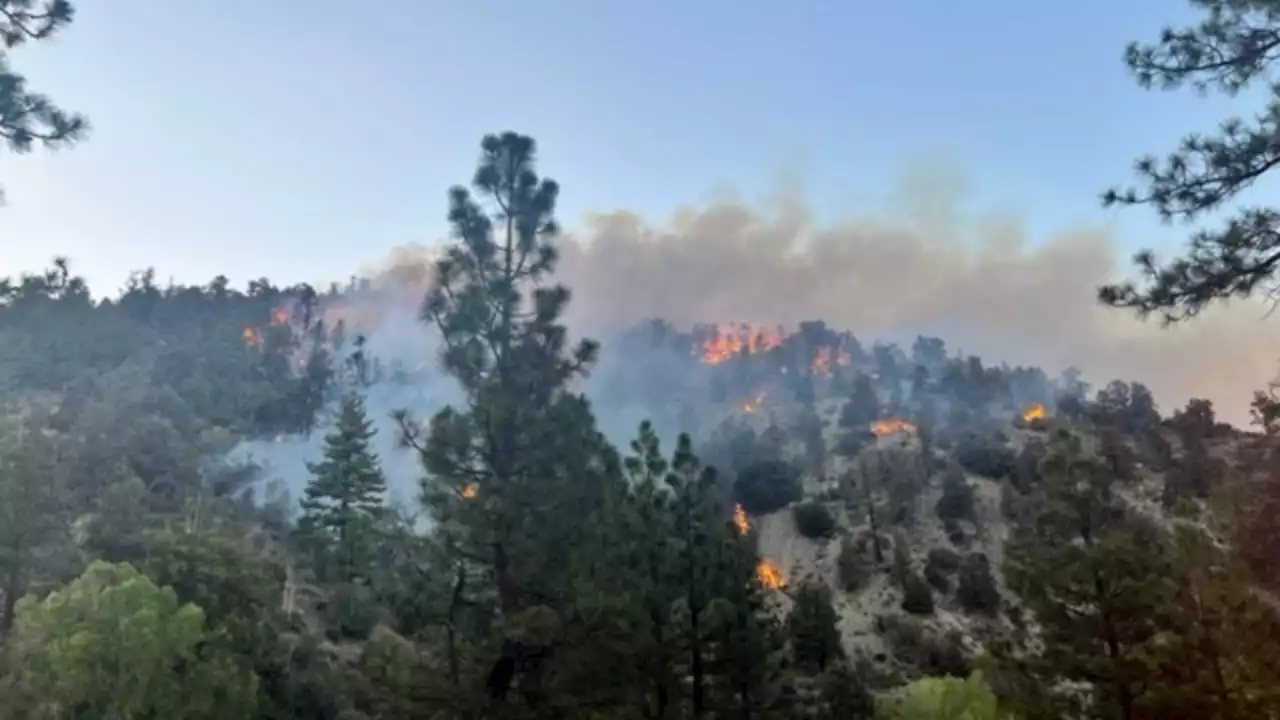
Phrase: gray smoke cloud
(920, 267)
(988, 290)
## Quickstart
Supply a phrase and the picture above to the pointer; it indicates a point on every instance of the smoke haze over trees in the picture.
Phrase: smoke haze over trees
(982, 283)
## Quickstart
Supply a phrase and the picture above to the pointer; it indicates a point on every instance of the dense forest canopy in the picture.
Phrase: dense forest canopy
(813, 524)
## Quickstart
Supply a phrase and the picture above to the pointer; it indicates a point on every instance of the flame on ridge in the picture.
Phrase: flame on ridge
(469, 491)
(253, 335)
(740, 519)
(731, 339)
(825, 357)
(892, 426)
(752, 404)
(1033, 412)
(769, 576)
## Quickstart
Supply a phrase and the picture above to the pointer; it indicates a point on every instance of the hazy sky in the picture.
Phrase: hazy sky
(301, 140)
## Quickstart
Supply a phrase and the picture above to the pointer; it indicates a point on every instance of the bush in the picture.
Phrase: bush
(986, 456)
(977, 589)
(351, 612)
(931, 653)
(944, 655)
(951, 697)
(956, 502)
(766, 486)
(850, 443)
(813, 627)
(814, 521)
(956, 533)
(939, 567)
(852, 566)
(917, 597)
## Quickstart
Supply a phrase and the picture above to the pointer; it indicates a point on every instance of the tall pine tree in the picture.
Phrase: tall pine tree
(515, 474)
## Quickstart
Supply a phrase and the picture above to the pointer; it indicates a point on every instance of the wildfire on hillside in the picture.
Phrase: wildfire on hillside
(253, 335)
(769, 576)
(731, 339)
(469, 491)
(892, 426)
(740, 519)
(825, 357)
(1033, 412)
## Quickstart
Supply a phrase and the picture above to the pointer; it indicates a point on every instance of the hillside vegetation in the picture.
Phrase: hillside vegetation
(840, 529)
(844, 522)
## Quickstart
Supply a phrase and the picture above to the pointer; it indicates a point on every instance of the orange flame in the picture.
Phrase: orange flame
(892, 426)
(279, 316)
(732, 339)
(740, 519)
(250, 336)
(469, 491)
(1033, 412)
(825, 357)
(752, 403)
(768, 575)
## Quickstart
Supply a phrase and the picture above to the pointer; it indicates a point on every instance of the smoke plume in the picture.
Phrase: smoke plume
(981, 284)
(984, 286)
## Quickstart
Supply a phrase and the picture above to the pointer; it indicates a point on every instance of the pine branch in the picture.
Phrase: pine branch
(1230, 49)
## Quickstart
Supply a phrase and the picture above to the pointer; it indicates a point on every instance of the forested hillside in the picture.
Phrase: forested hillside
(838, 523)
(810, 524)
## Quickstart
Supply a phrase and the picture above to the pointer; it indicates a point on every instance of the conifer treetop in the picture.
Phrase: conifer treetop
(1230, 49)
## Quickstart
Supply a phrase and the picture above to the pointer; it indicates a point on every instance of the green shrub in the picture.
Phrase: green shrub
(930, 652)
(933, 698)
(938, 568)
(814, 521)
(977, 588)
(766, 486)
(852, 567)
(957, 501)
(917, 597)
(986, 455)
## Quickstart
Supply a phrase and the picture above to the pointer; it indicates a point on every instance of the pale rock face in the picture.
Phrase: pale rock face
(873, 624)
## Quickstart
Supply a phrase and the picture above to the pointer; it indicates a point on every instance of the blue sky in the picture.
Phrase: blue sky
(302, 140)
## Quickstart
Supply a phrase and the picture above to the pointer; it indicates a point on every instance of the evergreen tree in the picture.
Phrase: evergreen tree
(655, 586)
(861, 491)
(863, 406)
(1220, 655)
(957, 500)
(1094, 577)
(815, 637)
(345, 498)
(697, 540)
(746, 645)
(516, 476)
(33, 511)
(1231, 48)
(28, 118)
